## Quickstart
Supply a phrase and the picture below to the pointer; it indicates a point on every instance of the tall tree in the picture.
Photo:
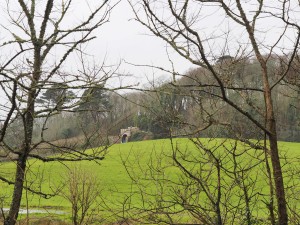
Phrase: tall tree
(39, 42)
(96, 101)
(238, 28)
(57, 94)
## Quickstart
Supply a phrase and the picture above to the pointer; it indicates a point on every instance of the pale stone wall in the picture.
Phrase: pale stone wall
(127, 131)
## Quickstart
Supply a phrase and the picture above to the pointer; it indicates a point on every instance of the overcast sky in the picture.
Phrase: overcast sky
(125, 39)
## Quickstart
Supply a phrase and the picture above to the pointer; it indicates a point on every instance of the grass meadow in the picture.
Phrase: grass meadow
(121, 194)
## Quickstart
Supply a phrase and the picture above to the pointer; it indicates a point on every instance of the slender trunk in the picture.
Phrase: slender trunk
(75, 214)
(270, 121)
(247, 202)
(22, 160)
(18, 189)
(218, 210)
(278, 179)
(270, 181)
(274, 154)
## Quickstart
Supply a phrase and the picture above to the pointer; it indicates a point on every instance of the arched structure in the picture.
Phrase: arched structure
(126, 133)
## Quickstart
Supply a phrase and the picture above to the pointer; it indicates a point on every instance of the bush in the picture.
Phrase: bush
(140, 136)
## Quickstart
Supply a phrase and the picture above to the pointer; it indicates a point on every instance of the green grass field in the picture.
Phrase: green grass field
(116, 186)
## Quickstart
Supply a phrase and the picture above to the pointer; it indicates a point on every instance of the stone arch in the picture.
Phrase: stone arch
(124, 138)
(126, 133)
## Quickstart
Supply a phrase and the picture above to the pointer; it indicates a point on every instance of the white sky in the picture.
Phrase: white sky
(125, 39)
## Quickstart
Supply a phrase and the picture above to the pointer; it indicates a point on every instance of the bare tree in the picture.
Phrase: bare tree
(238, 32)
(82, 192)
(196, 182)
(33, 59)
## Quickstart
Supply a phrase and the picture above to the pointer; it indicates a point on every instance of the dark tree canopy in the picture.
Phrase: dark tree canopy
(57, 94)
(95, 99)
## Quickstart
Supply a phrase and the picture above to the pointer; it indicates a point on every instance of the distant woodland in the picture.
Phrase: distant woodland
(176, 107)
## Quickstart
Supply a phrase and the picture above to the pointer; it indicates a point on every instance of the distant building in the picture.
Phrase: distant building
(126, 133)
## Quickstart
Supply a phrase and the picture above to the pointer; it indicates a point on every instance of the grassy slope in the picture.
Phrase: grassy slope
(111, 172)
(112, 175)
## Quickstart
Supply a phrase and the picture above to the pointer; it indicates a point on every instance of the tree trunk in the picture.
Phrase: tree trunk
(278, 179)
(18, 189)
(270, 181)
(22, 159)
(274, 154)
